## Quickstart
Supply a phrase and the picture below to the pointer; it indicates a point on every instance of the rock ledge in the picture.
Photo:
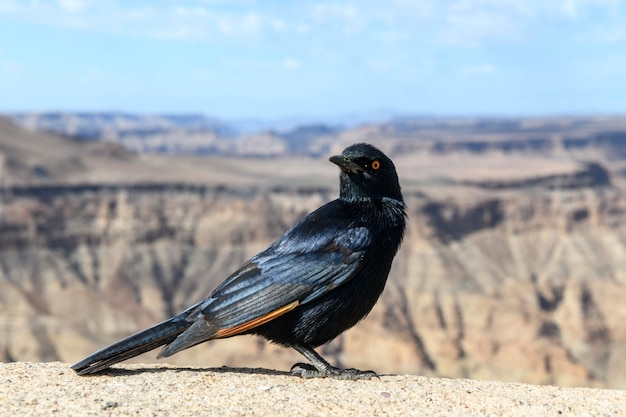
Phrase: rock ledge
(32, 389)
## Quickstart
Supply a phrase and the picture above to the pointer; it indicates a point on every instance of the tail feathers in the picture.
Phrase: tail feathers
(161, 334)
(200, 331)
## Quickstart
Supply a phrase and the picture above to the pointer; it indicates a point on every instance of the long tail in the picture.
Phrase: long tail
(161, 334)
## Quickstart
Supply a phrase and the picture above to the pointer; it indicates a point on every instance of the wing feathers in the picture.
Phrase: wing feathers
(232, 331)
(303, 265)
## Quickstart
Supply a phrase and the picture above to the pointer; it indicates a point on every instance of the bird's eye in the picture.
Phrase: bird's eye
(375, 165)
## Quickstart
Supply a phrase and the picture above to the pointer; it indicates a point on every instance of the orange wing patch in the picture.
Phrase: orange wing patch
(232, 331)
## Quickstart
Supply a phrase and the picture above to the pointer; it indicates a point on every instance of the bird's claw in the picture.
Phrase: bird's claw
(307, 371)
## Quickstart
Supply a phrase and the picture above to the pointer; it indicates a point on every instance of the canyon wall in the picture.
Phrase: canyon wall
(518, 286)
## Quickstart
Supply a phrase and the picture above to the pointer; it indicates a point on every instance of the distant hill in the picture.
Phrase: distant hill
(28, 157)
(195, 134)
(117, 125)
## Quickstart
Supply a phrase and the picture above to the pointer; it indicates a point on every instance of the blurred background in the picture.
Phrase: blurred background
(149, 148)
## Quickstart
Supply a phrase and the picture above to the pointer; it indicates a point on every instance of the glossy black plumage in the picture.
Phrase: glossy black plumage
(316, 281)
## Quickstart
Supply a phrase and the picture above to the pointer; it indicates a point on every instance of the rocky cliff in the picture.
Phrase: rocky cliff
(527, 287)
(513, 267)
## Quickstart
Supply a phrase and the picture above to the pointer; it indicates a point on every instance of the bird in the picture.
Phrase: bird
(320, 278)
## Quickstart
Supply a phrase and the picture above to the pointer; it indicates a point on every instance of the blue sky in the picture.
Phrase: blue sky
(275, 59)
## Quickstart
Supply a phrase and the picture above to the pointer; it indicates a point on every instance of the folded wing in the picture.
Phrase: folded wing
(303, 265)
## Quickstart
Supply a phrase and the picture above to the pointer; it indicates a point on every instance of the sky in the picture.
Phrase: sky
(238, 59)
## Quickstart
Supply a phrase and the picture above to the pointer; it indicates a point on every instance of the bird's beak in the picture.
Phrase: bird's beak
(345, 164)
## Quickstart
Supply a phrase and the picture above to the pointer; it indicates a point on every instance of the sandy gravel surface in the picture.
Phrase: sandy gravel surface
(29, 389)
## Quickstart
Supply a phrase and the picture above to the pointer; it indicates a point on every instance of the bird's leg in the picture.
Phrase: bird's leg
(319, 368)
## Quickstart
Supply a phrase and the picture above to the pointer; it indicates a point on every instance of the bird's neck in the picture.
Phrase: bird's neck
(390, 211)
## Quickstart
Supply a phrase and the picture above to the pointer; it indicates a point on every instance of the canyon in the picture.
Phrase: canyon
(513, 267)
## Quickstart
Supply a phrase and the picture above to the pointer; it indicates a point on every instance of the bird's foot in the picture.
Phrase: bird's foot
(305, 370)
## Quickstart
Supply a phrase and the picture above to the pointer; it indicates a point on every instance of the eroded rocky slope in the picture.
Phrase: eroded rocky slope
(525, 286)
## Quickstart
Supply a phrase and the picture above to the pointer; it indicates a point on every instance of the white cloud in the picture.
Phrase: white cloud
(478, 27)
(8, 6)
(579, 9)
(476, 22)
(613, 35)
(460, 22)
(72, 6)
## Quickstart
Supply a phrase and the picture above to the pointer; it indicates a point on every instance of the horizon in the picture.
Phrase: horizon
(268, 61)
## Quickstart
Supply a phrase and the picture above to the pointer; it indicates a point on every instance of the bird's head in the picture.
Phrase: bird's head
(366, 173)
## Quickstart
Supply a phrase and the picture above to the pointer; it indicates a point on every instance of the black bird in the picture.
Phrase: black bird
(316, 281)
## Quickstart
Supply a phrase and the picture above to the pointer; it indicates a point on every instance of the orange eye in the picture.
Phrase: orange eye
(375, 165)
